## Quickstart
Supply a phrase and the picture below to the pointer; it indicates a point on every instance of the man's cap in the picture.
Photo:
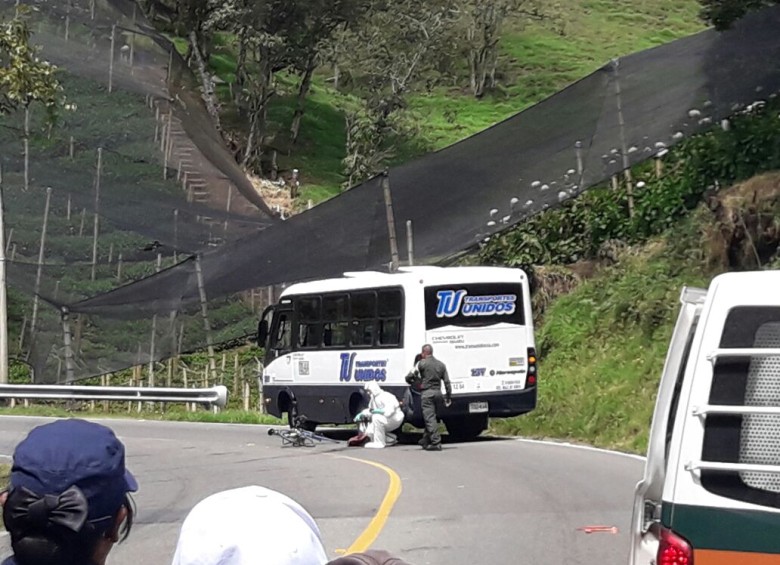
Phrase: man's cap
(247, 526)
(53, 457)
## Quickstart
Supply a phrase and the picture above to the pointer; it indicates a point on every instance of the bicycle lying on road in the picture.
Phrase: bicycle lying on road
(299, 437)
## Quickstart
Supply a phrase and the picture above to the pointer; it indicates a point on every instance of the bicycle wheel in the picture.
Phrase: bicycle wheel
(289, 437)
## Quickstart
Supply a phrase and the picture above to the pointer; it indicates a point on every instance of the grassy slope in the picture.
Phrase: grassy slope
(603, 346)
(535, 63)
(542, 58)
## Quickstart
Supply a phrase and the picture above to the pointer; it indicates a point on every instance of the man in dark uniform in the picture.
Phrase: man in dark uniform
(431, 372)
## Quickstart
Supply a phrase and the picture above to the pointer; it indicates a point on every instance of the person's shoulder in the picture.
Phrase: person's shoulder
(8, 561)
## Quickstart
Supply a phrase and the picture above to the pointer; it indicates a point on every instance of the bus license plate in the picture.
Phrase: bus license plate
(476, 407)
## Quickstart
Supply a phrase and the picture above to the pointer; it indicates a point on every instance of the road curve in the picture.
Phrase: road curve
(490, 501)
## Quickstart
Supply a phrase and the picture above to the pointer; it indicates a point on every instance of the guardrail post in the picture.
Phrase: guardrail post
(67, 342)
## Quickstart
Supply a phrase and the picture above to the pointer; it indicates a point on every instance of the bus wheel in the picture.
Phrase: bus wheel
(465, 428)
(292, 416)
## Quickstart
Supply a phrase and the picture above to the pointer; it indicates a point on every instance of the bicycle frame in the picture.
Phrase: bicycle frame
(297, 437)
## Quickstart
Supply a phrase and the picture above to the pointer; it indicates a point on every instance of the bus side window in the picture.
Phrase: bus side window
(283, 332)
(363, 318)
(309, 332)
(335, 316)
(390, 312)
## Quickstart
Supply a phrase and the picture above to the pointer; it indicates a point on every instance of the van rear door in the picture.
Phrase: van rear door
(647, 495)
(721, 501)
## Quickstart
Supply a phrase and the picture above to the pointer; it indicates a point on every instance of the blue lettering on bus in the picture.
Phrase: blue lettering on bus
(449, 303)
(347, 360)
(362, 371)
(454, 302)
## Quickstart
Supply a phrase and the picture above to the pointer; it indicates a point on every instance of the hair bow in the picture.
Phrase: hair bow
(69, 509)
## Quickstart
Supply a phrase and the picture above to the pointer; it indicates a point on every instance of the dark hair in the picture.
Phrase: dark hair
(52, 544)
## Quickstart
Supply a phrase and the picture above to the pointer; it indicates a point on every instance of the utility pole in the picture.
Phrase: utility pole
(3, 301)
(390, 222)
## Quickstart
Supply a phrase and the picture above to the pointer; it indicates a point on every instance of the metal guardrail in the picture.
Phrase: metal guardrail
(215, 396)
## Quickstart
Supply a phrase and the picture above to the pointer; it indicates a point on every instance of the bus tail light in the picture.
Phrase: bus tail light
(532, 368)
(673, 550)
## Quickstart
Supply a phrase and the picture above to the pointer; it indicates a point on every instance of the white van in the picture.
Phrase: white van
(711, 489)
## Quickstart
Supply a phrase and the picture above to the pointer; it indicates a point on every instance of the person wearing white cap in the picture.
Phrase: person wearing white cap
(249, 526)
(381, 418)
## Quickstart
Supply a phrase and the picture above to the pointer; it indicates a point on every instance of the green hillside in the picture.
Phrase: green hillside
(544, 57)
(604, 343)
(536, 60)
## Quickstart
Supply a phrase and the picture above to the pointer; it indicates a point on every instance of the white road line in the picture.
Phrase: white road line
(325, 428)
(584, 447)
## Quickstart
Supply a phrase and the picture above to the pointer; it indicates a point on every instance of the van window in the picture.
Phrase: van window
(678, 387)
(753, 439)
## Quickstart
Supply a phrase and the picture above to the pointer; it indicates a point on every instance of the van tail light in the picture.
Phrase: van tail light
(533, 375)
(673, 550)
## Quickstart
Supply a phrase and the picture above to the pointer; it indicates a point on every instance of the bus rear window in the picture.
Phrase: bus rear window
(474, 305)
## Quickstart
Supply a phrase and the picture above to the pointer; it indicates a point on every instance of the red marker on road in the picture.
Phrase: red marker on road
(598, 529)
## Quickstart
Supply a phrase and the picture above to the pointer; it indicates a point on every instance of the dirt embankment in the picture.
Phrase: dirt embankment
(745, 228)
(739, 227)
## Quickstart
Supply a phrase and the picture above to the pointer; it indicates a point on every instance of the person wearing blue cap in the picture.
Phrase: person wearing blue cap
(68, 501)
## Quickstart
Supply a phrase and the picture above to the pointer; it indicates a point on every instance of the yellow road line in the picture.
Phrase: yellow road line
(377, 523)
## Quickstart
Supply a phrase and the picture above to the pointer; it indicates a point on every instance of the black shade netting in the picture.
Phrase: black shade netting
(621, 115)
(626, 112)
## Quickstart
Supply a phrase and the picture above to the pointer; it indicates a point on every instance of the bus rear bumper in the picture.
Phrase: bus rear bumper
(499, 404)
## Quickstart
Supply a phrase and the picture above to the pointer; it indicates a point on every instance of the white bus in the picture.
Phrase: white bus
(325, 339)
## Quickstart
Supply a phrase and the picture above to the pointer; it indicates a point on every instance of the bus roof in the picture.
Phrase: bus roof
(406, 276)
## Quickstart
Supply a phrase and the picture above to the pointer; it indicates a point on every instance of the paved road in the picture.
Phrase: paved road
(491, 501)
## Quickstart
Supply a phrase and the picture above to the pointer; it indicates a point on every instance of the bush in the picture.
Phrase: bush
(695, 168)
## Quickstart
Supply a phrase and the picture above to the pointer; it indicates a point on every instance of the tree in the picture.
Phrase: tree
(479, 28)
(317, 20)
(24, 77)
(723, 13)
(367, 150)
(395, 50)
(264, 28)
